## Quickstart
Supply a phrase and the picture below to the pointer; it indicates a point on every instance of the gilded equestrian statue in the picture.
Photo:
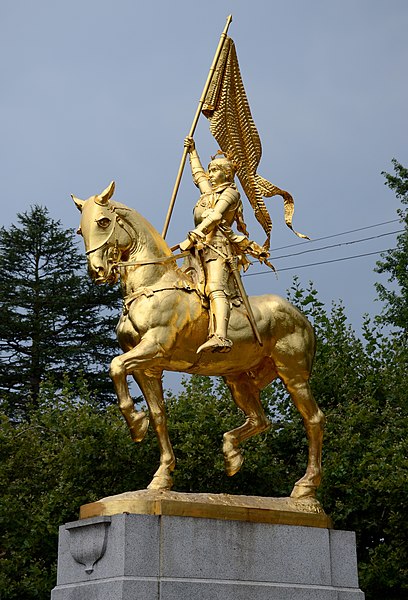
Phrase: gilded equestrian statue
(165, 319)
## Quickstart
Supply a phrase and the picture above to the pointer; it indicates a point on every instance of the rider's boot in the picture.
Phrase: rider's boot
(220, 313)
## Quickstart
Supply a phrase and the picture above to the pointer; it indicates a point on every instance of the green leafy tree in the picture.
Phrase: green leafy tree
(395, 262)
(200, 415)
(73, 451)
(53, 320)
(70, 452)
(359, 384)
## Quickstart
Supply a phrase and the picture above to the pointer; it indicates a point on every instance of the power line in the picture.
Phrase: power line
(324, 262)
(373, 237)
(327, 237)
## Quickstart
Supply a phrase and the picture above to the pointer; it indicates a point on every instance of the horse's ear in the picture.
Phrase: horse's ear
(78, 203)
(106, 194)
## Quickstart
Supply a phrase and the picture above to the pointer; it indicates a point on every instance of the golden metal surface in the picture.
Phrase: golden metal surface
(194, 123)
(255, 509)
(231, 123)
(165, 320)
(197, 318)
(218, 249)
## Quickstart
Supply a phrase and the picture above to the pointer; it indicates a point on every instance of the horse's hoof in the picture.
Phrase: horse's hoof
(302, 490)
(139, 428)
(161, 482)
(233, 461)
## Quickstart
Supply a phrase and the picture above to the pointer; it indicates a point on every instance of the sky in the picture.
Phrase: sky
(97, 90)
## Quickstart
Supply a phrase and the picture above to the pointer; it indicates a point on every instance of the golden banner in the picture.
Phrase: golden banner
(231, 123)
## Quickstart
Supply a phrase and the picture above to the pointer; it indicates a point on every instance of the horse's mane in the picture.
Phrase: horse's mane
(140, 224)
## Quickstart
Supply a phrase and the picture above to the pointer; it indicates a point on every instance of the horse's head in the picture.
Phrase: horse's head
(105, 235)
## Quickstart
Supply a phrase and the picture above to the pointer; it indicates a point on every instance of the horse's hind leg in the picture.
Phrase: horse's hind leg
(246, 396)
(313, 418)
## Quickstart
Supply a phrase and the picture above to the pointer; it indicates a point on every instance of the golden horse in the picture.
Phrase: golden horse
(165, 320)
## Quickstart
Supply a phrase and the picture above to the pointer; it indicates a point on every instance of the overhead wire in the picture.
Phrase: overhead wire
(334, 260)
(373, 237)
(324, 262)
(327, 237)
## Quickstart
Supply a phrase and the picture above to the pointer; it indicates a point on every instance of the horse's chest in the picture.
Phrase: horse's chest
(127, 334)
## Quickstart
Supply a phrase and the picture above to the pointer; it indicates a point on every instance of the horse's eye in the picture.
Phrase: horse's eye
(104, 222)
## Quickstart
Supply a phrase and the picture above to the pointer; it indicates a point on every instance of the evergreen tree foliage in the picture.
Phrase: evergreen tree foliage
(53, 320)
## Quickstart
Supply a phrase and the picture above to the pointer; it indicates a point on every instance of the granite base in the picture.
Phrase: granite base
(161, 557)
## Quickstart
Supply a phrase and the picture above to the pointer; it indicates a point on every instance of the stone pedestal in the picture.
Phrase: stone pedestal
(166, 557)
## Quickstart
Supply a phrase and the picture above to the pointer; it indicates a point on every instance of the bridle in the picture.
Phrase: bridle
(105, 242)
(132, 236)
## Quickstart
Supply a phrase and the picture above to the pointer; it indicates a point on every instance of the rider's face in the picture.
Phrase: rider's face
(216, 175)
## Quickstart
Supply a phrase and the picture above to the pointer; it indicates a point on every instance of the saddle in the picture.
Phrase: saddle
(193, 267)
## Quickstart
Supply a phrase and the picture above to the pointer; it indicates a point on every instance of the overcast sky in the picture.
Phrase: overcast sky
(94, 91)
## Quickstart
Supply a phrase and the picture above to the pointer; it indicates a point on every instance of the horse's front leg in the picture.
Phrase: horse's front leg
(152, 390)
(137, 421)
(135, 362)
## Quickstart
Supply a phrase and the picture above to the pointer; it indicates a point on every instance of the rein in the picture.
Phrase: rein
(153, 261)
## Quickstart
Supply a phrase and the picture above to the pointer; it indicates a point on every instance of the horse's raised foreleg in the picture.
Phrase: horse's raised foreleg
(246, 396)
(313, 418)
(137, 421)
(135, 362)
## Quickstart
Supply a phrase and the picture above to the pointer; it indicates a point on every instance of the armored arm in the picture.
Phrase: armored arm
(199, 175)
(213, 216)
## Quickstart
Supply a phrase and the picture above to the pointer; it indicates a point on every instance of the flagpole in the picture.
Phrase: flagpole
(194, 124)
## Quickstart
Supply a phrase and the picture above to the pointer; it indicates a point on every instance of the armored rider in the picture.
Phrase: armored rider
(217, 209)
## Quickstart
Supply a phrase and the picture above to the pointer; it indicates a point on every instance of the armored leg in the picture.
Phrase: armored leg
(220, 313)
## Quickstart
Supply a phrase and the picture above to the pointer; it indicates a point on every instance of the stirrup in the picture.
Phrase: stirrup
(216, 343)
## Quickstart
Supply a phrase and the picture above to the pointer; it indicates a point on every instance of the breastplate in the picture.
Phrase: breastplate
(208, 201)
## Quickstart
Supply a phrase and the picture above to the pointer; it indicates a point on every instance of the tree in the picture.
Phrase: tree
(360, 386)
(198, 417)
(53, 319)
(395, 261)
(72, 451)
